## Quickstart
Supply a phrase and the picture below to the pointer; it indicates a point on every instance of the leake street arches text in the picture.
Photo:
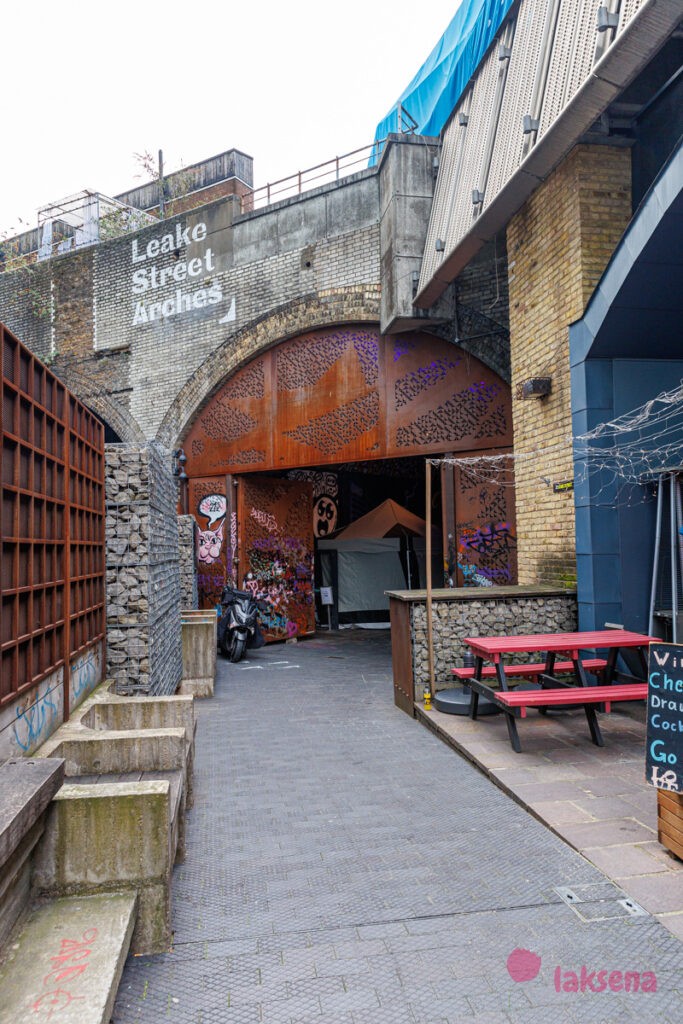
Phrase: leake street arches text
(183, 272)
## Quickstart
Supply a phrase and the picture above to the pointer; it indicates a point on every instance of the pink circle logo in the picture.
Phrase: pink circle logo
(523, 965)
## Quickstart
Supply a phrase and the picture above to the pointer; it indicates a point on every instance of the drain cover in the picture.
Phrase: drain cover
(599, 901)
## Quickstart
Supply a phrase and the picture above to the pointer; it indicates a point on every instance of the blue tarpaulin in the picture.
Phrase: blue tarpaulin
(435, 90)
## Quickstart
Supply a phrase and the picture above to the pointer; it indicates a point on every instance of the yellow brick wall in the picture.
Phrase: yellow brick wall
(558, 246)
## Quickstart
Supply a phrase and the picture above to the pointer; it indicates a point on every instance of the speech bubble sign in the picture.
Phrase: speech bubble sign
(213, 506)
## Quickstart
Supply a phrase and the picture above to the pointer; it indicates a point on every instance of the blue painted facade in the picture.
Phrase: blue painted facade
(627, 349)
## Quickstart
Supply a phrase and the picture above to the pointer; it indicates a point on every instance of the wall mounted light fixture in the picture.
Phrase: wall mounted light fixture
(535, 387)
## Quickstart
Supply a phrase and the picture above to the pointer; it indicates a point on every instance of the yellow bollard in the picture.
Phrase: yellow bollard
(427, 697)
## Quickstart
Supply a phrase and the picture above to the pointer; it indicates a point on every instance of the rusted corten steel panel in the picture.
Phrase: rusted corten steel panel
(482, 541)
(52, 496)
(345, 395)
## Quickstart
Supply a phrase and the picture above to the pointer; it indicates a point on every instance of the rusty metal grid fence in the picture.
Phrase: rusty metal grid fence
(52, 496)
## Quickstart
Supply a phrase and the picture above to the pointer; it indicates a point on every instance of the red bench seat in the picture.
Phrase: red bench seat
(529, 671)
(572, 695)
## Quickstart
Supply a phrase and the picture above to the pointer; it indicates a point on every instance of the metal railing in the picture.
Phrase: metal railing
(322, 174)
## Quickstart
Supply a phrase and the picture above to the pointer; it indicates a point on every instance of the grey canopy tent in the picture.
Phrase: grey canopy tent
(382, 550)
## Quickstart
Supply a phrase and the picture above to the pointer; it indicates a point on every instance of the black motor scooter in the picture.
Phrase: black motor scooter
(238, 626)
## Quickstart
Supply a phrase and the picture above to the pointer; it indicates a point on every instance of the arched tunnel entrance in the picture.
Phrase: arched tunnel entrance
(311, 436)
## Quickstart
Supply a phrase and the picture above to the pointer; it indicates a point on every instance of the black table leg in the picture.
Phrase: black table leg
(474, 696)
(591, 715)
(610, 668)
(509, 716)
(549, 671)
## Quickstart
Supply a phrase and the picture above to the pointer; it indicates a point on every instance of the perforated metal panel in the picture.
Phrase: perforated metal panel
(507, 153)
(572, 57)
(447, 184)
(628, 10)
(548, 66)
(474, 151)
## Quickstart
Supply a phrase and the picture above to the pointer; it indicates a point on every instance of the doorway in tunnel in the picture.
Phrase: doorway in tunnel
(369, 536)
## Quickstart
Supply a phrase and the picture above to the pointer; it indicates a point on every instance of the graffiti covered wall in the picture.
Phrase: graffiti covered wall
(29, 721)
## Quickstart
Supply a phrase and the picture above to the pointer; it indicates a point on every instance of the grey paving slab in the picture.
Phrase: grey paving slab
(344, 865)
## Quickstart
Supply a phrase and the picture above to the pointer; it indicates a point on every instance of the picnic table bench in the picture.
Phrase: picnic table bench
(529, 671)
(553, 691)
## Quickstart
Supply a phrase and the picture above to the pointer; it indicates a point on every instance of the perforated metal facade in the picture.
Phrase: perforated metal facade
(557, 44)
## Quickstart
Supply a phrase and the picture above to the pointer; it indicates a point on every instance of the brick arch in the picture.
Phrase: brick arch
(112, 412)
(358, 304)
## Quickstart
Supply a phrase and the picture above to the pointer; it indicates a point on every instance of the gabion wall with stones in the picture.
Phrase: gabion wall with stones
(144, 652)
(187, 530)
(456, 619)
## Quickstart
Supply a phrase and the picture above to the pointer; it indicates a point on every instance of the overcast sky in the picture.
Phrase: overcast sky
(88, 85)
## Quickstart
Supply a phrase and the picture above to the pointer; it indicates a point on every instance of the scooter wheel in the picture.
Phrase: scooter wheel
(237, 648)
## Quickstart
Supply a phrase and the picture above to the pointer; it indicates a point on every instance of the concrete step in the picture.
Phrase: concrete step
(66, 961)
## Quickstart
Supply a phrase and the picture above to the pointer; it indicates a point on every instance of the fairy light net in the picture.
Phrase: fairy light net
(616, 464)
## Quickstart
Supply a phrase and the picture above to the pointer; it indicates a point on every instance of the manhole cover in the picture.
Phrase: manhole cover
(599, 901)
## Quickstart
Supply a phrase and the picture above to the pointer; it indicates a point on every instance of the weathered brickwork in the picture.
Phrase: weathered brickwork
(129, 322)
(26, 307)
(455, 619)
(143, 573)
(558, 246)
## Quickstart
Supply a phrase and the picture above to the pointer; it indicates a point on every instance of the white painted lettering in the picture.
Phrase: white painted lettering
(152, 248)
(140, 283)
(199, 299)
(194, 267)
(137, 257)
(167, 244)
(199, 232)
(140, 314)
(182, 236)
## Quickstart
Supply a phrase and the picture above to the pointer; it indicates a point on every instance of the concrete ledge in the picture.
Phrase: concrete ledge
(112, 837)
(109, 753)
(26, 789)
(67, 961)
(109, 734)
(108, 711)
(199, 653)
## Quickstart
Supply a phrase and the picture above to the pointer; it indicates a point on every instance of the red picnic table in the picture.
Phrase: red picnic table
(553, 691)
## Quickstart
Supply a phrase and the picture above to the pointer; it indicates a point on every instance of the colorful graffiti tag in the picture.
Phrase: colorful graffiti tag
(485, 554)
(280, 577)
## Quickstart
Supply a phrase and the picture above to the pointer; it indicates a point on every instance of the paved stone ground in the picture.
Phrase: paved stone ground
(345, 867)
(596, 798)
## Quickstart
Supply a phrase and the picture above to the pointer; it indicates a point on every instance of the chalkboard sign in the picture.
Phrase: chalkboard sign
(664, 752)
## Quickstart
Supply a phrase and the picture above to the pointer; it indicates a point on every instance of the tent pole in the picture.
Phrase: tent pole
(428, 551)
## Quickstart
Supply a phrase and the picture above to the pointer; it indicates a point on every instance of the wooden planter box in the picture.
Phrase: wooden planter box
(670, 821)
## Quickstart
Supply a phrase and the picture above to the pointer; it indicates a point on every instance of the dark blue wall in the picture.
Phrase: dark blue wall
(615, 521)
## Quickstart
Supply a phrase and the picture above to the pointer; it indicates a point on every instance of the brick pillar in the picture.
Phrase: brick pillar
(558, 246)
